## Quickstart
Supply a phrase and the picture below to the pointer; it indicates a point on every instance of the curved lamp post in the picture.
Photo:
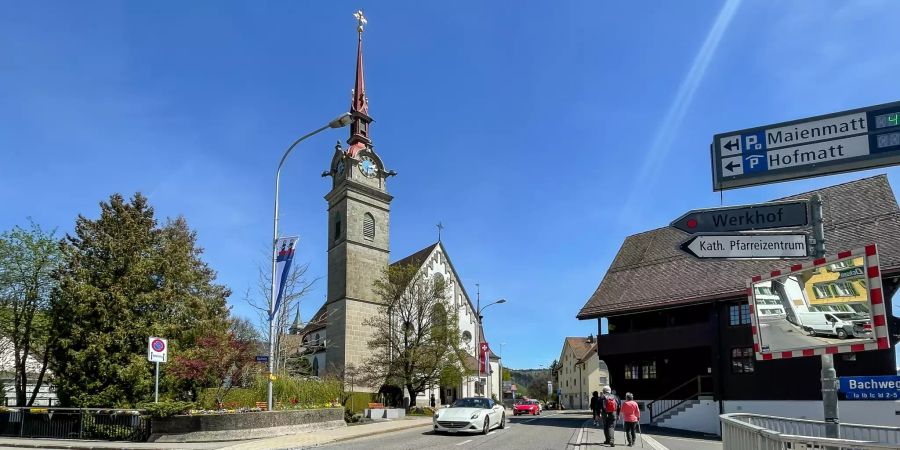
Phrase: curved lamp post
(478, 337)
(339, 122)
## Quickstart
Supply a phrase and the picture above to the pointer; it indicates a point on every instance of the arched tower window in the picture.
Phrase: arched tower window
(315, 366)
(369, 227)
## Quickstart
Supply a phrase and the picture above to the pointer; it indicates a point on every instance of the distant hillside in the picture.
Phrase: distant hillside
(530, 382)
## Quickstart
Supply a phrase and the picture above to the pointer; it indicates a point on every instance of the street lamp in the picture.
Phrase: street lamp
(478, 318)
(339, 122)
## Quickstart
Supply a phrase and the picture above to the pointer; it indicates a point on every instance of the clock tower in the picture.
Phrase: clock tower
(358, 227)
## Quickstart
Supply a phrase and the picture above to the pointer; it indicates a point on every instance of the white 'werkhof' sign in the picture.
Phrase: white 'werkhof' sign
(747, 246)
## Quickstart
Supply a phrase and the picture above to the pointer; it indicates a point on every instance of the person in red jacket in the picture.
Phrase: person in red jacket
(631, 415)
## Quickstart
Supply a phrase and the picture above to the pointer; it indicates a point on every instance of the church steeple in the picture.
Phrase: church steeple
(359, 105)
(297, 325)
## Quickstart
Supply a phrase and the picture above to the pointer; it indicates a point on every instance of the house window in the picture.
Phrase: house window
(648, 370)
(639, 370)
(368, 227)
(739, 314)
(844, 289)
(742, 360)
(632, 371)
(821, 292)
(840, 265)
(764, 290)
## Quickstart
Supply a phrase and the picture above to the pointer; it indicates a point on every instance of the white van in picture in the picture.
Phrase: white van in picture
(842, 325)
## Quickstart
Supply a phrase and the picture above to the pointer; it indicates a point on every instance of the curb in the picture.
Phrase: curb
(375, 433)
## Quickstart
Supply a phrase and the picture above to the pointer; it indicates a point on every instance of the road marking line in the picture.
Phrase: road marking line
(654, 443)
(463, 442)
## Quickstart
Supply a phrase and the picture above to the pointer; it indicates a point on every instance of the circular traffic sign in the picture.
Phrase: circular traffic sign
(158, 345)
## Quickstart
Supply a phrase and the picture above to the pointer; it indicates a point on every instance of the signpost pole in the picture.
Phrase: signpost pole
(156, 387)
(830, 397)
(829, 375)
(818, 221)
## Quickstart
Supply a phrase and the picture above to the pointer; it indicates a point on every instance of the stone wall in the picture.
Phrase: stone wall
(228, 427)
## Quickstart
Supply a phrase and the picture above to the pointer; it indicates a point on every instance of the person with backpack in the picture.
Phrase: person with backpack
(610, 407)
(631, 415)
(595, 408)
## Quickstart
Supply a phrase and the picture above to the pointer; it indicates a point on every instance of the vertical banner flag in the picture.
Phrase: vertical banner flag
(484, 360)
(285, 248)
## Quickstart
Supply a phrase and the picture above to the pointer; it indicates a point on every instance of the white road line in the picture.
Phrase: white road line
(654, 444)
(464, 442)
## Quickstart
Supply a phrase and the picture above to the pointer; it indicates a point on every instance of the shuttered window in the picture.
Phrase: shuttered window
(369, 227)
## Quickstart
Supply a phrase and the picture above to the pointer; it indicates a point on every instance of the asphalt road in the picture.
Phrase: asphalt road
(781, 335)
(550, 430)
(569, 430)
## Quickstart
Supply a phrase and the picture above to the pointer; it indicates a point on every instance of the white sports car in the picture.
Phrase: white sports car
(470, 415)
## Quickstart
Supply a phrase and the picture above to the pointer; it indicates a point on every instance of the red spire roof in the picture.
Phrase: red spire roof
(359, 105)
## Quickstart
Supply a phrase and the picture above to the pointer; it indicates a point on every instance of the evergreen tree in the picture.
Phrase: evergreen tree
(124, 279)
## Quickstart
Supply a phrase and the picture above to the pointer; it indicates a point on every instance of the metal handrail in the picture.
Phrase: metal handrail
(754, 431)
(670, 404)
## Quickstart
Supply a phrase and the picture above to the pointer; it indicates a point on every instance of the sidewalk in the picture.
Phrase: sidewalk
(592, 436)
(290, 441)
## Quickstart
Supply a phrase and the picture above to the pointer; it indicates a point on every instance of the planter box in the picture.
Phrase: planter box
(384, 413)
(229, 427)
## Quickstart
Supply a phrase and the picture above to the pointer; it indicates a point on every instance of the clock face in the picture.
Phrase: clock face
(367, 167)
(340, 168)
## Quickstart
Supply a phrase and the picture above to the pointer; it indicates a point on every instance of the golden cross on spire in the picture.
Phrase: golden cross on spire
(360, 20)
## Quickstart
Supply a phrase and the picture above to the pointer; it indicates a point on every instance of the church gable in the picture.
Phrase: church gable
(433, 261)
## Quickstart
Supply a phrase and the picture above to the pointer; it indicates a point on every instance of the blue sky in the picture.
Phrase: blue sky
(540, 134)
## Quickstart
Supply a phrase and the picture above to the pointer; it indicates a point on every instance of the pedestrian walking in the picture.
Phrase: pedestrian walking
(432, 401)
(595, 408)
(610, 407)
(631, 415)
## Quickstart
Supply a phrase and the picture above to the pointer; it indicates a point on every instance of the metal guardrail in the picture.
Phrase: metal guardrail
(75, 423)
(754, 431)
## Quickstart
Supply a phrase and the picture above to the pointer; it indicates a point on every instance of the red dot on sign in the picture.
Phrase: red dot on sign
(692, 223)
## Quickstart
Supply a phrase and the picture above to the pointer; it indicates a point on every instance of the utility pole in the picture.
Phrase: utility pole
(829, 375)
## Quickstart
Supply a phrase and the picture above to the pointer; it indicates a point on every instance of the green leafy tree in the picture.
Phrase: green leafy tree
(416, 342)
(28, 258)
(123, 279)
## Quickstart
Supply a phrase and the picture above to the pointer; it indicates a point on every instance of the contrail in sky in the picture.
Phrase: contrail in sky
(662, 142)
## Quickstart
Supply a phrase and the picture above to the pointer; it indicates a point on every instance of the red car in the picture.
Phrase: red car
(532, 407)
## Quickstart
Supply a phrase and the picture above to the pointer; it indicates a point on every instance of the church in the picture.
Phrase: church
(359, 251)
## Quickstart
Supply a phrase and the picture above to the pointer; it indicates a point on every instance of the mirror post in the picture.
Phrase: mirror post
(829, 375)
(830, 397)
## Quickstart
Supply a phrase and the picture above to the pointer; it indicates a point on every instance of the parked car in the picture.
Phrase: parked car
(470, 415)
(532, 407)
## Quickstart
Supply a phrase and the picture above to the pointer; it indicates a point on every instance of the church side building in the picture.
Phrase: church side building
(359, 251)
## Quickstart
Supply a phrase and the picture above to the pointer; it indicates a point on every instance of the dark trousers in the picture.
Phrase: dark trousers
(629, 431)
(609, 428)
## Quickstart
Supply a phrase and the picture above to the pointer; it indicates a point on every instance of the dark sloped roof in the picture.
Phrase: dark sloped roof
(650, 271)
(417, 258)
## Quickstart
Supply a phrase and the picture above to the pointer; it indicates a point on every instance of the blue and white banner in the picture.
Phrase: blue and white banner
(871, 388)
(285, 248)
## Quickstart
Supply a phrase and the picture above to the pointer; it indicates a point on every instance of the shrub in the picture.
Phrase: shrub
(166, 408)
(235, 398)
(301, 393)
